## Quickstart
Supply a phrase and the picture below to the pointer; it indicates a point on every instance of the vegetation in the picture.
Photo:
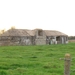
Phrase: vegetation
(71, 37)
(2, 31)
(35, 60)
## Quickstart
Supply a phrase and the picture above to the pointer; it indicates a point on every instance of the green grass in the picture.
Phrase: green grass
(35, 60)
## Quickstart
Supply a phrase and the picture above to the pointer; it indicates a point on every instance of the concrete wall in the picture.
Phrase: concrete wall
(40, 42)
(33, 40)
(40, 39)
(56, 39)
(15, 40)
(51, 40)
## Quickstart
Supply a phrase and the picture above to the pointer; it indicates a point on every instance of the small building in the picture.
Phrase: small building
(32, 37)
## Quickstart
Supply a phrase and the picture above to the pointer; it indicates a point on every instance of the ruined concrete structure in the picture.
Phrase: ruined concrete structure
(32, 37)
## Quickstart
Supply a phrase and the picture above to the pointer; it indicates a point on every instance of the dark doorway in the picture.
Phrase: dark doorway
(40, 33)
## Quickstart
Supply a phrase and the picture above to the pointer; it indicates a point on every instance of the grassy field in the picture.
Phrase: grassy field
(35, 60)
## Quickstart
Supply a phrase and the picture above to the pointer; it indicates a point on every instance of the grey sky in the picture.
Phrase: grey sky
(46, 14)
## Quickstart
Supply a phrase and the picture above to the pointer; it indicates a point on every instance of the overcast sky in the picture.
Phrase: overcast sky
(45, 14)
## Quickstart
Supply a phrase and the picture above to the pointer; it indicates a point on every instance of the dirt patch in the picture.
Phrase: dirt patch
(71, 40)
